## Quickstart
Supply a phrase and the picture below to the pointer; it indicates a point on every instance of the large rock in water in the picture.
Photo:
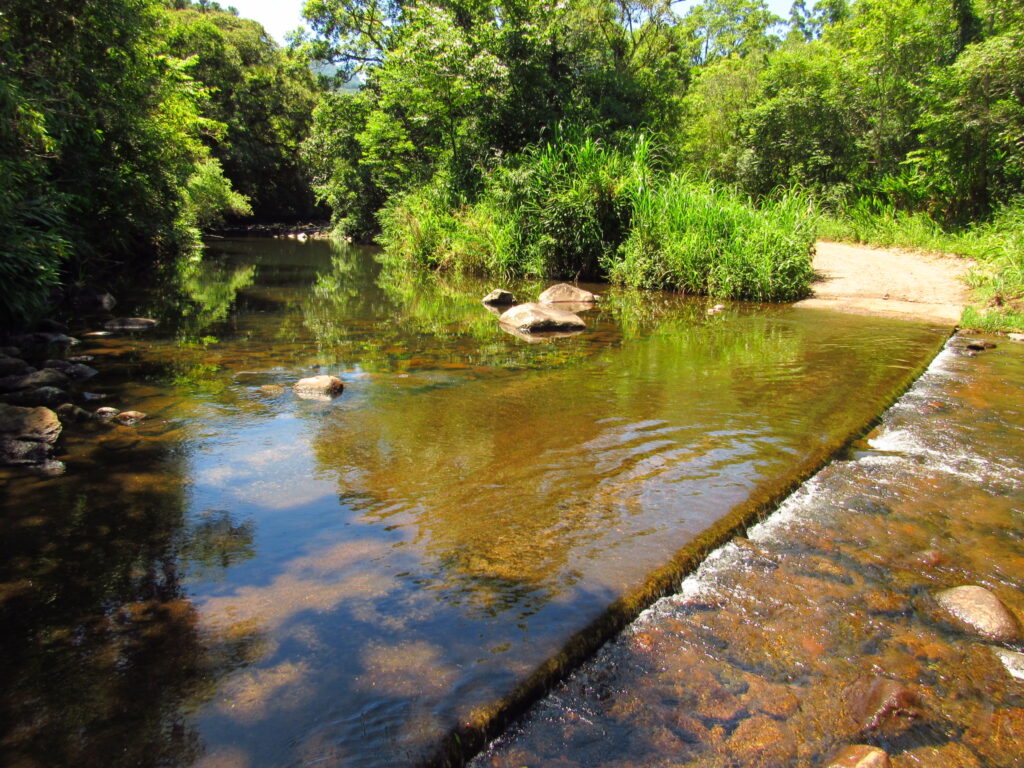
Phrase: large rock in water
(321, 387)
(537, 318)
(977, 610)
(499, 298)
(563, 293)
(48, 377)
(27, 434)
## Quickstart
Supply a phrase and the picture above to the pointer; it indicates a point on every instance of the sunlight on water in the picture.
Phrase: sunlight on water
(248, 578)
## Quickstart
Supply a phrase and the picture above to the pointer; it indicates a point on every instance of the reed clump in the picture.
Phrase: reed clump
(582, 209)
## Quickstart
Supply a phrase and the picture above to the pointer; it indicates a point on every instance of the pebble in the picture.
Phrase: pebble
(860, 756)
(1012, 660)
(106, 413)
(977, 610)
(884, 705)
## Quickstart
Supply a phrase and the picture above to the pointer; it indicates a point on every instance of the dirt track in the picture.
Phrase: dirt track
(894, 282)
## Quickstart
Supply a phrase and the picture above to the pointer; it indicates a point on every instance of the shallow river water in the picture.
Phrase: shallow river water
(247, 578)
(764, 657)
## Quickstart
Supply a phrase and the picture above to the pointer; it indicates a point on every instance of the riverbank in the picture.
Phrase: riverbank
(822, 628)
(889, 282)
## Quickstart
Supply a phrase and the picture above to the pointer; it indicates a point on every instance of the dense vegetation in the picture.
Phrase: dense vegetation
(127, 126)
(499, 136)
(579, 138)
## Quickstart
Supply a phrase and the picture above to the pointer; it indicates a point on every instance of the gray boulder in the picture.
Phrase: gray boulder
(75, 371)
(50, 397)
(48, 377)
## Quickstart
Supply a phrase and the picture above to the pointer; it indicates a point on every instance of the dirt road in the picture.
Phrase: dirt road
(892, 282)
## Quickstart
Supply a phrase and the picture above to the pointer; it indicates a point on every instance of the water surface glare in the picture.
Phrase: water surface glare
(252, 579)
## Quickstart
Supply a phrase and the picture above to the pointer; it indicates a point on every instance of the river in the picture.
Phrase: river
(248, 578)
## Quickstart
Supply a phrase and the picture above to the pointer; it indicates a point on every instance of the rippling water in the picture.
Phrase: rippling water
(247, 578)
(763, 655)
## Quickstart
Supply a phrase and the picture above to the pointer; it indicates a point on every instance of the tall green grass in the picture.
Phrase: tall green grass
(700, 238)
(583, 209)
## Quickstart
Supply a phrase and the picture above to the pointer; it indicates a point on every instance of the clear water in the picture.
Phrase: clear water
(760, 657)
(247, 578)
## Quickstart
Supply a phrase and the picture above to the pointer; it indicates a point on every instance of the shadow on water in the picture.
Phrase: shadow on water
(251, 579)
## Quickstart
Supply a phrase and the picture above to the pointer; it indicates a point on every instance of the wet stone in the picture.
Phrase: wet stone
(761, 741)
(48, 377)
(49, 397)
(884, 602)
(36, 424)
(16, 451)
(774, 699)
(884, 706)
(106, 413)
(717, 705)
(40, 342)
(534, 318)
(951, 755)
(1012, 661)
(1016, 336)
(976, 610)
(321, 387)
(74, 371)
(69, 413)
(14, 366)
(860, 756)
(130, 324)
(127, 418)
(566, 293)
(499, 297)
(271, 390)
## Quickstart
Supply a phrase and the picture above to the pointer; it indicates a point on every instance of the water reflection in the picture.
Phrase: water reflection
(349, 581)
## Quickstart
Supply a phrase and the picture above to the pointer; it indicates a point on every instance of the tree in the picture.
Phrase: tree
(263, 94)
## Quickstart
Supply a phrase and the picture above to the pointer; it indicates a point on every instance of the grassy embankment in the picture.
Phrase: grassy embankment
(583, 209)
(996, 245)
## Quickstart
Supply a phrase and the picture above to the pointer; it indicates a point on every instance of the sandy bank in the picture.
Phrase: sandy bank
(889, 282)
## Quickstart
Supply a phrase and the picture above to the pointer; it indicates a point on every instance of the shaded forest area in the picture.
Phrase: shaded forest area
(701, 151)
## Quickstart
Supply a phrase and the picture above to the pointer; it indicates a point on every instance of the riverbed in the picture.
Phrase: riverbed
(250, 578)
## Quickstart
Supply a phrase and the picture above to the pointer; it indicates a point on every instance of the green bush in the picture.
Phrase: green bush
(700, 238)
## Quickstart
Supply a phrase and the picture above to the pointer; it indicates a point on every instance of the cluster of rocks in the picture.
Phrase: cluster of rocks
(40, 384)
(966, 346)
(553, 314)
